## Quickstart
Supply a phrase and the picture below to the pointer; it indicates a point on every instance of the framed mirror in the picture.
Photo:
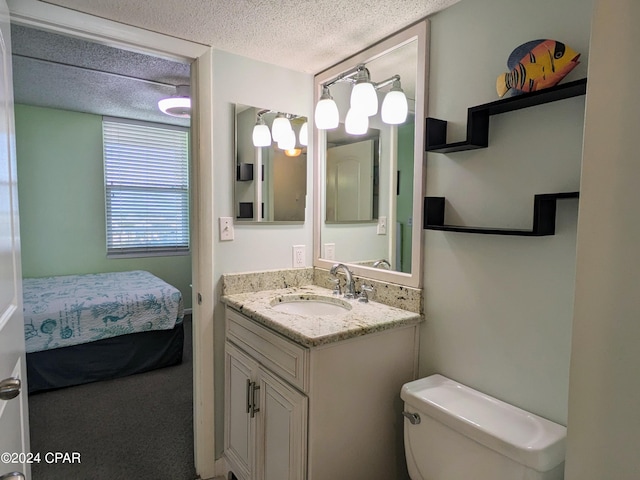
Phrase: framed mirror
(368, 172)
(270, 174)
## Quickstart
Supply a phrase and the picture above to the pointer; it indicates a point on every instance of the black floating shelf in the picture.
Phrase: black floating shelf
(478, 117)
(544, 217)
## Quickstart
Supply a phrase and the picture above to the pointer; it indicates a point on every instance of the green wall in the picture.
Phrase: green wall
(61, 200)
(406, 139)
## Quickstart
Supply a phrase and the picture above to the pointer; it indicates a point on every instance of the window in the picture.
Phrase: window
(146, 175)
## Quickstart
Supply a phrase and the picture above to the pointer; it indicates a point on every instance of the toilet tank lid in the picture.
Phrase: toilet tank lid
(520, 435)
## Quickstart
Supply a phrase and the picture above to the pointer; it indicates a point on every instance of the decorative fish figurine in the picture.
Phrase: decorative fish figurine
(536, 65)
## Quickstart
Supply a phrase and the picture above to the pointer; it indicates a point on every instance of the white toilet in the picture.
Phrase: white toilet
(452, 432)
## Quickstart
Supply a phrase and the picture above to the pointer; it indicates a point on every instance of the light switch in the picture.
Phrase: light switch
(329, 251)
(382, 226)
(226, 228)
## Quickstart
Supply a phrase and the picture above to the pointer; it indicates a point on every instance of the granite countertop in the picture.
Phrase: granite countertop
(311, 331)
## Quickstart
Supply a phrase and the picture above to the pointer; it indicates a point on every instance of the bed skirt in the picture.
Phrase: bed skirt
(104, 359)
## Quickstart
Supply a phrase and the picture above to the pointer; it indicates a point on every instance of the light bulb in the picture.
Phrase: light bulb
(281, 125)
(394, 106)
(261, 135)
(287, 141)
(327, 116)
(356, 122)
(304, 134)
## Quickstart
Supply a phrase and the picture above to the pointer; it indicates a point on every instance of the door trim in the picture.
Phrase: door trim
(60, 20)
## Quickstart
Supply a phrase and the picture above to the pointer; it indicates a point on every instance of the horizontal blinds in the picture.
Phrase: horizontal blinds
(147, 188)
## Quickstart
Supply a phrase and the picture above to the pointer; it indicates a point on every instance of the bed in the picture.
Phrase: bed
(85, 328)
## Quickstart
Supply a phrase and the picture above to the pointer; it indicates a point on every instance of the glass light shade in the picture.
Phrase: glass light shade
(364, 98)
(327, 116)
(304, 134)
(280, 127)
(394, 108)
(176, 106)
(287, 141)
(356, 123)
(261, 136)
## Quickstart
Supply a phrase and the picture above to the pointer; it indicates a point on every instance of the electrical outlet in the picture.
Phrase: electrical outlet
(226, 228)
(329, 251)
(298, 256)
(382, 226)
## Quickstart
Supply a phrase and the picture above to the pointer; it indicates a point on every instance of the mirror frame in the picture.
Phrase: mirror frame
(420, 32)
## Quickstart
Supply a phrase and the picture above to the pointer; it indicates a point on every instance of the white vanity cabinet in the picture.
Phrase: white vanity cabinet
(294, 412)
(266, 422)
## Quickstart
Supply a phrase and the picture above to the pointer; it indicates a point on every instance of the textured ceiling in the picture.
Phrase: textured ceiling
(56, 71)
(304, 35)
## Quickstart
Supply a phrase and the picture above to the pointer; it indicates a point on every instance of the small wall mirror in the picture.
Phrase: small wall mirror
(369, 170)
(270, 182)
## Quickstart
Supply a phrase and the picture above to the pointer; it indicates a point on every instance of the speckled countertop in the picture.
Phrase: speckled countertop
(361, 319)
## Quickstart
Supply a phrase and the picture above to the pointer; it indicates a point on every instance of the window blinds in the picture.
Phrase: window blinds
(147, 188)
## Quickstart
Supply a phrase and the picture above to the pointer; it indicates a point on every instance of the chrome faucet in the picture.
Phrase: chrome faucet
(382, 263)
(350, 285)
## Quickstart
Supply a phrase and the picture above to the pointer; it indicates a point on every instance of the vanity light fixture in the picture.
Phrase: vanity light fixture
(287, 140)
(327, 116)
(394, 106)
(280, 127)
(304, 134)
(363, 102)
(356, 122)
(261, 135)
(363, 94)
(178, 105)
(281, 132)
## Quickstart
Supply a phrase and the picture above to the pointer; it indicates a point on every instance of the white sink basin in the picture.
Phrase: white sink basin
(312, 305)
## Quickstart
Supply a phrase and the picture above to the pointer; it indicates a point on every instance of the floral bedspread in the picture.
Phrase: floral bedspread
(72, 309)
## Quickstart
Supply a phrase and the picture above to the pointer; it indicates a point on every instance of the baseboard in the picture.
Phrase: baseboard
(221, 468)
(188, 311)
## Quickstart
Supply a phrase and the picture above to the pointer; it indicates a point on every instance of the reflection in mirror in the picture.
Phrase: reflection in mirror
(352, 176)
(271, 166)
(369, 160)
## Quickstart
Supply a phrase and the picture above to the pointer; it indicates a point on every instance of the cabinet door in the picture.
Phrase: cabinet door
(282, 430)
(239, 434)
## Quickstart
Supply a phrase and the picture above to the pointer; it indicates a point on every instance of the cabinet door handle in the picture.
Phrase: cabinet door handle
(254, 410)
(249, 383)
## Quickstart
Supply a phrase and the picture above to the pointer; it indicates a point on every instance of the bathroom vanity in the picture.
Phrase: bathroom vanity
(315, 396)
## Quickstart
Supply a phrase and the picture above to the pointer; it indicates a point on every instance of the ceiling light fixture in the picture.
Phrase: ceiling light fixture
(178, 105)
(363, 102)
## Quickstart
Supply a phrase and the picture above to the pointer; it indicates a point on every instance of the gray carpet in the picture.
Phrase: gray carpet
(139, 426)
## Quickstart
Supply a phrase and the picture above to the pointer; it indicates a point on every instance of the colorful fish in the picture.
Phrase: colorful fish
(536, 65)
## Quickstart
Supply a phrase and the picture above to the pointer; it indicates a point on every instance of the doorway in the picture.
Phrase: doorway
(60, 20)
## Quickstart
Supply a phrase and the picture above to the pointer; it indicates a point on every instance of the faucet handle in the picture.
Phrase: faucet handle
(364, 288)
(336, 287)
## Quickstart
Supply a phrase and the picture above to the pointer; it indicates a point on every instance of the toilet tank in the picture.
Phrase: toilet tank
(464, 434)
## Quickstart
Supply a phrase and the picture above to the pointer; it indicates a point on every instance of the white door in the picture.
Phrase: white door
(14, 439)
(350, 182)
